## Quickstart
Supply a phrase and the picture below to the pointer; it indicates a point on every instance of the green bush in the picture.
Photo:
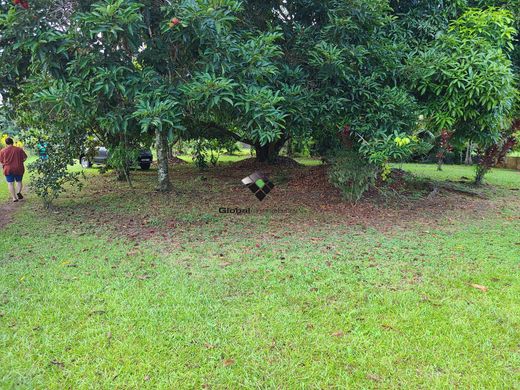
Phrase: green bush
(50, 174)
(352, 174)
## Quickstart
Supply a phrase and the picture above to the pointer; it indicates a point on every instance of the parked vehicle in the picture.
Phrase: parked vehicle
(144, 159)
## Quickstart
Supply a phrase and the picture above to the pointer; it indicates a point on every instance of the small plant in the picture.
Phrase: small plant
(207, 150)
(50, 175)
(352, 174)
(444, 147)
(121, 158)
(230, 147)
(395, 147)
(199, 155)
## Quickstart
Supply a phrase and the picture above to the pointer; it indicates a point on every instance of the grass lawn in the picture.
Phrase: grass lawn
(224, 159)
(121, 288)
(497, 177)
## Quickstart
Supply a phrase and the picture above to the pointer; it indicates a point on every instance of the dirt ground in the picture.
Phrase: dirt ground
(302, 198)
(7, 211)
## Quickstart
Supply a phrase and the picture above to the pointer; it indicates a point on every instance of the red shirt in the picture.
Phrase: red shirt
(12, 159)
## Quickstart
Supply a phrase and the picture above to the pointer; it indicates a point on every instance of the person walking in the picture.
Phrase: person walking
(12, 159)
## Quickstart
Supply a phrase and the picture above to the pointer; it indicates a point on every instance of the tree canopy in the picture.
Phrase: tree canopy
(261, 72)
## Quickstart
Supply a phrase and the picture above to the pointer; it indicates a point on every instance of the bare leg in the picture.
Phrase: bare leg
(19, 187)
(11, 191)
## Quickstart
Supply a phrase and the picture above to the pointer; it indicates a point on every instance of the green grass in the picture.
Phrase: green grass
(242, 155)
(257, 301)
(498, 177)
(353, 308)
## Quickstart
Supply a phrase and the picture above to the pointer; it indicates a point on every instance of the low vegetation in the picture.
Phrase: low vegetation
(308, 292)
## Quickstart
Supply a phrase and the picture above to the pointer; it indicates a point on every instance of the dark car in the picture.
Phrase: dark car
(144, 159)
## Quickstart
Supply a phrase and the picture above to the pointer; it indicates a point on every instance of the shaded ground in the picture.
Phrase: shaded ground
(302, 198)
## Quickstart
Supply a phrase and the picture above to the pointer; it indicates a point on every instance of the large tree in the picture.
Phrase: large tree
(261, 72)
(467, 80)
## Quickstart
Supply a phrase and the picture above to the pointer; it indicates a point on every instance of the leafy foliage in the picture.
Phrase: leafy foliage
(263, 73)
(466, 77)
(467, 80)
(51, 175)
(352, 174)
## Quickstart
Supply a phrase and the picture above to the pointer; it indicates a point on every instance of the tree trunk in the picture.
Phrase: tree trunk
(161, 143)
(469, 159)
(262, 152)
(439, 163)
(269, 152)
(481, 172)
(290, 148)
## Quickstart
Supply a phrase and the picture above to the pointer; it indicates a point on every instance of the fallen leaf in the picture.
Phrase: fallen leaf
(225, 264)
(97, 312)
(374, 377)
(58, 363)
(228, 362)
(339, 333)
(480, 287)
(209, 346)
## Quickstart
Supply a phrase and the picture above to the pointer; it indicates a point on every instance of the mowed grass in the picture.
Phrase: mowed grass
(498, 177)
(243, 154)
(256, 302)
(317, 309)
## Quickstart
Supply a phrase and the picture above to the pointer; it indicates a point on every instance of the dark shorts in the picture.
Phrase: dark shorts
(13, 178)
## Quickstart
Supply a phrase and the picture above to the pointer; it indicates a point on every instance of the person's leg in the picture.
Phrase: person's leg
(10, 185)
(19, 187)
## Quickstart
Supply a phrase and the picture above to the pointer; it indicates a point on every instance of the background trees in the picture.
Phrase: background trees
(466, 78)
(347, 74)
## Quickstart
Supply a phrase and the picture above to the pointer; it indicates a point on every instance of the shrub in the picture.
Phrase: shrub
(122, 158)
(352, 174)
(50, 175)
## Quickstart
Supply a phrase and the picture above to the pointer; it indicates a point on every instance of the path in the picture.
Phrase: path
(6, 212)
